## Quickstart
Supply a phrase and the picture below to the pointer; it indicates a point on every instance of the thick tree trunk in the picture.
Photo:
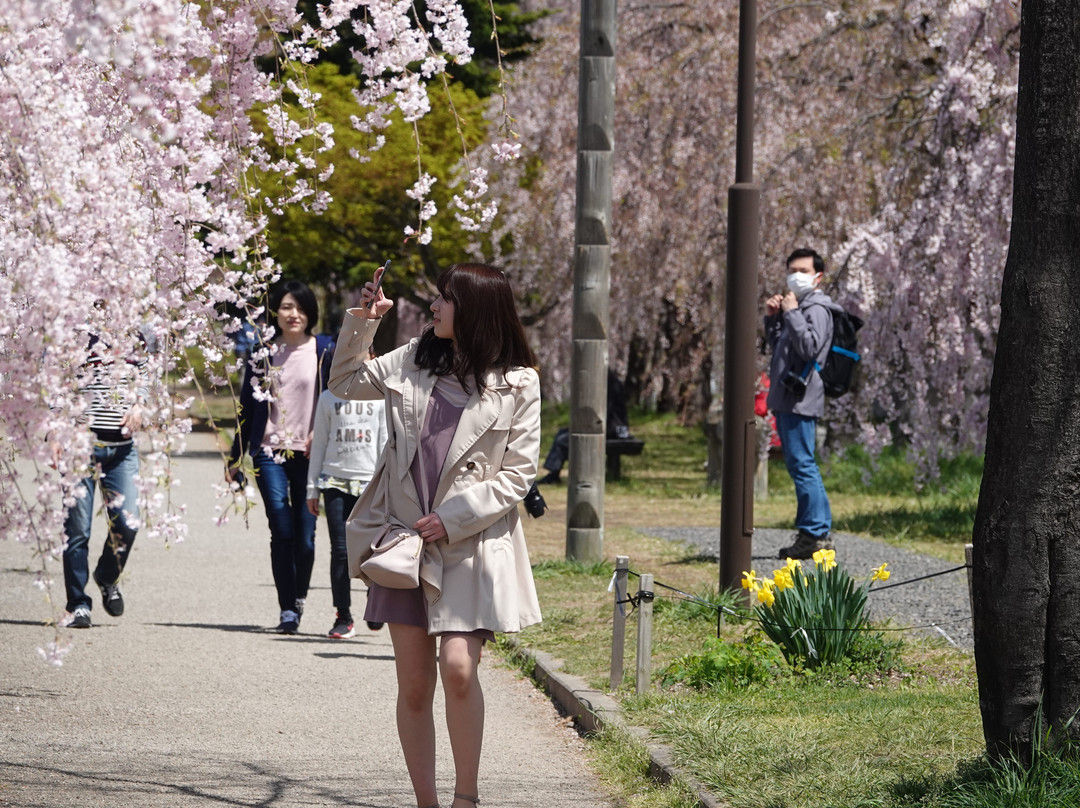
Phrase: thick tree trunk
(1027, 528)
(592, 282)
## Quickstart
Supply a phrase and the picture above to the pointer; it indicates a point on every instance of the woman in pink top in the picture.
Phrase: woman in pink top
(277, 436)
(463, 419)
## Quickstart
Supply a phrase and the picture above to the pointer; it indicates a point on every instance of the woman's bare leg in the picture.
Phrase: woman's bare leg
(459, 657)
(414, 658)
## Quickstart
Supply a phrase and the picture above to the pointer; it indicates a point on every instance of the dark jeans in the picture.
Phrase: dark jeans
(559, 452)
(338, 506)
(292, 526)
(115, 468)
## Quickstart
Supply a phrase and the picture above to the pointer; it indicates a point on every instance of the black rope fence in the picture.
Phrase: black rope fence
(678, 594)
(921, 578)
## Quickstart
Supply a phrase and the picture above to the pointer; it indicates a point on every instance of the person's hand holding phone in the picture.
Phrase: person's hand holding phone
(373, 303)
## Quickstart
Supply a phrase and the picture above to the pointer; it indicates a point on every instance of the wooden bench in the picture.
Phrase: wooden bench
(615, 448)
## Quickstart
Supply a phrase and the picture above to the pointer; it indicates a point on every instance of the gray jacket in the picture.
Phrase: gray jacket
(796, 337)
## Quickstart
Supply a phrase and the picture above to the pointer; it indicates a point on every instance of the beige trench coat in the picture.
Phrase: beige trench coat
(480, 576)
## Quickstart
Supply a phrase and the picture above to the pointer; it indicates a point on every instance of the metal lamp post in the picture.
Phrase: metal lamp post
(740, 443)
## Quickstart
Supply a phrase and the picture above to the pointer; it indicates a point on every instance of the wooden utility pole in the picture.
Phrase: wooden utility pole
(592, 280)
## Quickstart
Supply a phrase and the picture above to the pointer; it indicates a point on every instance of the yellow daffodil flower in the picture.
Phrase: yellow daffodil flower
(882, 574)
(765, 594)
(793, 564)
(783, 580)
(749, 580)
(825, 558)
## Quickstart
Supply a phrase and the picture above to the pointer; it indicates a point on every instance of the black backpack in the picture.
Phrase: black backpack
(839, 368)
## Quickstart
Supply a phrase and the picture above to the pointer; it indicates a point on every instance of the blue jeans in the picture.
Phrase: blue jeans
(798, 440)
(339, 505)
(292, 526)
(114, 468)
(559, 452)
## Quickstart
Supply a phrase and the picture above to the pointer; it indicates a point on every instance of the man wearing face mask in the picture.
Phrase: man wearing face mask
(799, 329)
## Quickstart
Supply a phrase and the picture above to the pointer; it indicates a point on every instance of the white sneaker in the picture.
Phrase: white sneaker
(80, 618)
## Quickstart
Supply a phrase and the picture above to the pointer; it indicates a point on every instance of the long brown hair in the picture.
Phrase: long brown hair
(487, 328)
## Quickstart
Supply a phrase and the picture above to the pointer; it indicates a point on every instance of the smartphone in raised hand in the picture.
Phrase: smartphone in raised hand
(378, 283)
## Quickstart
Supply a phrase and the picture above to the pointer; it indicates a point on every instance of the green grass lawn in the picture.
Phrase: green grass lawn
(872, 497)
(894, 736)
(902, 736)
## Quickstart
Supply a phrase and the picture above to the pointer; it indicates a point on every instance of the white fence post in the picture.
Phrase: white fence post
(644, 633)
(618, 622)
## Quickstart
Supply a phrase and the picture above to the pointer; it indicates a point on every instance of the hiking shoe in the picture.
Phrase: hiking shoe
(80, 618)
(375, 625)
(551, 478)
(805, 546)
(111, 597)
(290, 622)
(343, 628)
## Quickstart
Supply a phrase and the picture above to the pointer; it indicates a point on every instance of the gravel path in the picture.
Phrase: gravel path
(942, 601)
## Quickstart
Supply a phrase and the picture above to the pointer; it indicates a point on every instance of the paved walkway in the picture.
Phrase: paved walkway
(190, 700)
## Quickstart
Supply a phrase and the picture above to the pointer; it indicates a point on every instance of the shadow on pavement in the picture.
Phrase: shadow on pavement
(212, 626)
(221, 782)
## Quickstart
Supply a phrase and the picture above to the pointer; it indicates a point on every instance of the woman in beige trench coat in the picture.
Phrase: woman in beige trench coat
(463, 412)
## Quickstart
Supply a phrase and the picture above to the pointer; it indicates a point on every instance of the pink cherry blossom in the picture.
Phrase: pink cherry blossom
(883, 138)
(128, 167)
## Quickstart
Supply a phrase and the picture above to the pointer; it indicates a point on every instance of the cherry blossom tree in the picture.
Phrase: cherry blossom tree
(129, 172)
(124, 146)
(926, 269)
(883, 139)
(128, 163)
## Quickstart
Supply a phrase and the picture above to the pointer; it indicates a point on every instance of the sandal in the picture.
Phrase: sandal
(473, 800)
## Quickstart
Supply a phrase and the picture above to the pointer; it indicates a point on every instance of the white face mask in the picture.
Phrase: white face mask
(801, 283)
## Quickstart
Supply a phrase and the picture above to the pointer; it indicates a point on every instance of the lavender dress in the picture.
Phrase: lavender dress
(444, 410)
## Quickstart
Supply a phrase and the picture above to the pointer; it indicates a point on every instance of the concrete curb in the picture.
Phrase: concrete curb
(592, 709)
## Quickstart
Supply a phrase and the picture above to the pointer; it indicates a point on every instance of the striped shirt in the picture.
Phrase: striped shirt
(110, 390)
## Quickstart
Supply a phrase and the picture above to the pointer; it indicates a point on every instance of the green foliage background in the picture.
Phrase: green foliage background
(363, 227)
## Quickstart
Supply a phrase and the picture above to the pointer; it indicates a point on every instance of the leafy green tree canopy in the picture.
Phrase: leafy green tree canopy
(363, 226)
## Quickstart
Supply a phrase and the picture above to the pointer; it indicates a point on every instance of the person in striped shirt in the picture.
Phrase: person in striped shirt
(115, 387)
